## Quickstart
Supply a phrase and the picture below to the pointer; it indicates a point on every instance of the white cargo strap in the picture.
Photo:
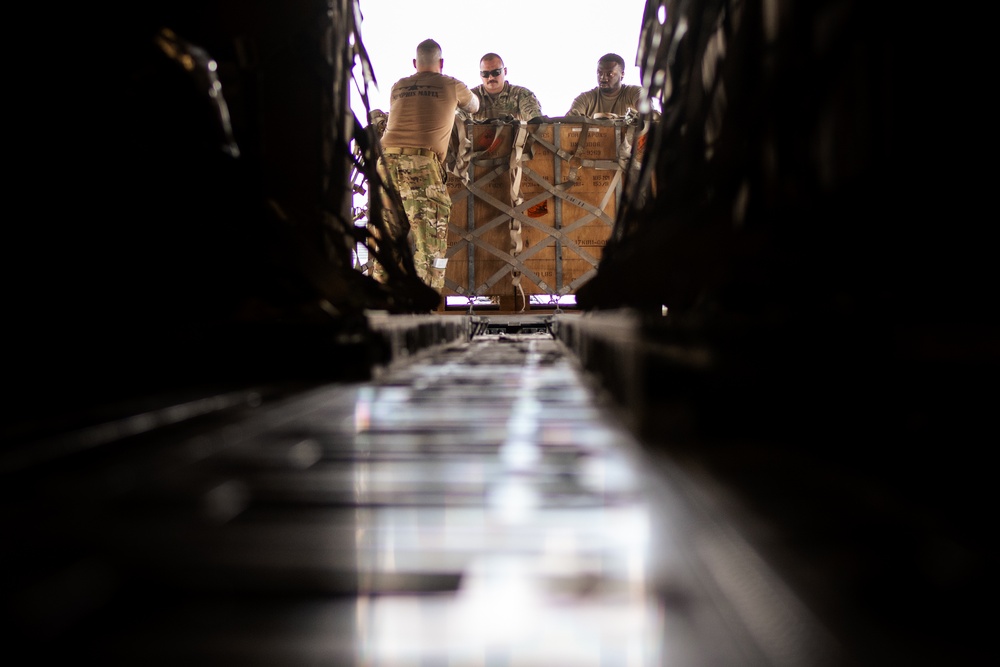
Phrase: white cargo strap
(516, 242)
(633, 122)
(463, 152)
(515, 163)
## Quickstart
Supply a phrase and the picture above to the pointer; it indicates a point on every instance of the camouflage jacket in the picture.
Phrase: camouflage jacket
(516, 101)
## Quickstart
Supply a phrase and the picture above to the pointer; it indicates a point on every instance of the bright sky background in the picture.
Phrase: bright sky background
(549, 46)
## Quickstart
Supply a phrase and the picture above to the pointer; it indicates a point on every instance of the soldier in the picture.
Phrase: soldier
(498, 98)
(421, 116)
(611, 99)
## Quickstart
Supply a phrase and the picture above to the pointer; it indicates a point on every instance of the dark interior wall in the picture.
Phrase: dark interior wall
(823, 155)
(819, 233)
(161, 214)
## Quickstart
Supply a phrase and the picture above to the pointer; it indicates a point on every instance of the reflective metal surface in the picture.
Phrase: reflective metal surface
(476, 503)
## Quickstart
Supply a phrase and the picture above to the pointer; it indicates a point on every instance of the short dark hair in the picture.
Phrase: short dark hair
(612, 58)
(491, 56)
(428, 51)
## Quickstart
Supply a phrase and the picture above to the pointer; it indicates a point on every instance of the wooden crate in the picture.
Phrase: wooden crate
(479, 229)
(570, 197)
(569, 194)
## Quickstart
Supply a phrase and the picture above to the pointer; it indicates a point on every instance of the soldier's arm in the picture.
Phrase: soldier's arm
(578, 107)
(528, 106)
(637, 101)
(467, 101)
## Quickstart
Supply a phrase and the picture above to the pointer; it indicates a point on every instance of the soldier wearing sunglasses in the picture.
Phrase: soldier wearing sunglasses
(498, 98)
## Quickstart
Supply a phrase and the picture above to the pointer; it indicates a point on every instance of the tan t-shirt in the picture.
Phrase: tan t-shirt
(593, 101)
(422, 111)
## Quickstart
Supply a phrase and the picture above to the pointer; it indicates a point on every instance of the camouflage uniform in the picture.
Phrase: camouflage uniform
(419, 125)
(516, 101)
(419, 180)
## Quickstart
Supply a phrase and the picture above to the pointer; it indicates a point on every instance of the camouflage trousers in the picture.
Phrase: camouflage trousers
(419, 180)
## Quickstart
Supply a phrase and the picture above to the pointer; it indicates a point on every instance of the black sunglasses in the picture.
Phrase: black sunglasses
(487, 73)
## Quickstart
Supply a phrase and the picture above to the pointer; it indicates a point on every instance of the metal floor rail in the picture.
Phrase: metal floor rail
(478, 502)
